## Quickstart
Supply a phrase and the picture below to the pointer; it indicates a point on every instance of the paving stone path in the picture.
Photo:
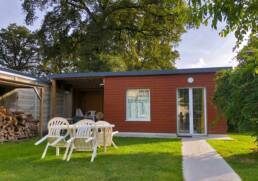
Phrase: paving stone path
(202, 163)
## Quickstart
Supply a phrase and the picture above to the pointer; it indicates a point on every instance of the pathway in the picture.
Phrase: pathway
(202, 163)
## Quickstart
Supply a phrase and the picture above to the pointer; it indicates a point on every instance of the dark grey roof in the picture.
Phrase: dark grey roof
(137, 73)
(15, 72)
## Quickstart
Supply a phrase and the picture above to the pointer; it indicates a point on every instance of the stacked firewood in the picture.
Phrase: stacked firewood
(16, 125)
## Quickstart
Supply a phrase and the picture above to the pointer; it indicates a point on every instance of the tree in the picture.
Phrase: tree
(104, 35)
(19, 49)
(239, 16)
(108, 35)
(236, 93)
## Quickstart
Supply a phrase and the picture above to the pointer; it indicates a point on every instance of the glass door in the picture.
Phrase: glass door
(191, 111)
(198, 111)
(183, 111)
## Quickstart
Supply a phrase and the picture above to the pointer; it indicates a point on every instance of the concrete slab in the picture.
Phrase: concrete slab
(219, 137)
(146, 135)
(202, 163)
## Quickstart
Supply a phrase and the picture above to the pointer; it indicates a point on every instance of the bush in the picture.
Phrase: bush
(236, 94)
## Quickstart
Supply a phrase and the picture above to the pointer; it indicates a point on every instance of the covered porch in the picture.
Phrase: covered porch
(77, 98)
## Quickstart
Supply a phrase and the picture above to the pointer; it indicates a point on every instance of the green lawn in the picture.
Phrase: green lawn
(135, 159)
(240, 154)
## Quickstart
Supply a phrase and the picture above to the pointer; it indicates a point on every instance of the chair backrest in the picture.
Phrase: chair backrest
(85, 122)
(84, 129)
(78, 112)
(102, 123)
(56, 125)
(91, 113)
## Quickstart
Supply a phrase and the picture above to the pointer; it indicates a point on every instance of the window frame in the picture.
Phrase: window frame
(138, 120)
(205, 96)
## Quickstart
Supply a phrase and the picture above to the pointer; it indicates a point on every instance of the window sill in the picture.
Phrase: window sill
(133, 120)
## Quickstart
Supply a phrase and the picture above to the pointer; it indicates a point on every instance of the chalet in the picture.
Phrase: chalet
(163, 102)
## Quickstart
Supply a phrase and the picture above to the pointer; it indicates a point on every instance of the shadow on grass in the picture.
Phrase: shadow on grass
(246, 158)
(246, 165)
(150, 162)
(122, 140)
(135, 141)
(161, 166)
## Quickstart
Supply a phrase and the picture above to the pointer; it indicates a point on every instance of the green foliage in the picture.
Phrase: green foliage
(104, 35)
(111, 35)
(237, 90)
(19, 49)
(239, 16)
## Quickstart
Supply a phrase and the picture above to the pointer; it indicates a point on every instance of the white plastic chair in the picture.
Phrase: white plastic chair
(78, 112)
(84, 139)
(54, 137)
(107, 139)
(91, 114)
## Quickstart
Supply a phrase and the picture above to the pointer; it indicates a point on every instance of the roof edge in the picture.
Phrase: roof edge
(138, 73)
(24, 75)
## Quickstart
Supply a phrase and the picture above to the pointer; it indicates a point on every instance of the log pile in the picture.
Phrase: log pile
(16, 125)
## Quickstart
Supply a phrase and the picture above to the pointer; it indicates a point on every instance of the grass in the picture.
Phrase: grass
(135, 159)
(241, 154)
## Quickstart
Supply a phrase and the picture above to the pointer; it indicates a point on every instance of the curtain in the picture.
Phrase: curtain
(138, 104)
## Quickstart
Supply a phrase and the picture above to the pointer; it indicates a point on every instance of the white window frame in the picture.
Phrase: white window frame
(139, 119)
(191, 111)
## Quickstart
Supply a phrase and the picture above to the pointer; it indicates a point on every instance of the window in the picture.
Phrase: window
(138, 105)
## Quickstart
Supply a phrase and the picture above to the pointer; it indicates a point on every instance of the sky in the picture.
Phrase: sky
(198, 48)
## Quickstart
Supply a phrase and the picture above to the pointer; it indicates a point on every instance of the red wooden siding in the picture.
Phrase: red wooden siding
(163, 102)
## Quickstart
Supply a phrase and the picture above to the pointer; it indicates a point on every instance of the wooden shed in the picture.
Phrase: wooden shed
(21, 91)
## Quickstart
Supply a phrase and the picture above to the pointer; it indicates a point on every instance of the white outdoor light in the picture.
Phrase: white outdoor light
(190, 80)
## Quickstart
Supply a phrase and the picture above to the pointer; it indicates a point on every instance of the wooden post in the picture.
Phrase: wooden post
(72, 102)
(41, 116)
(53, 98)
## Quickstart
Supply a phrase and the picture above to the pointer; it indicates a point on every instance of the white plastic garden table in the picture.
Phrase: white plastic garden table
(72, 129)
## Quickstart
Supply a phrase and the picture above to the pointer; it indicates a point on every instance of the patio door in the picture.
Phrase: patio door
(191, 111)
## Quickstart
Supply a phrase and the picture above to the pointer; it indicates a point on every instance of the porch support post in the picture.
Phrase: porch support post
(53, 99)
(72, 102)
(41, 115)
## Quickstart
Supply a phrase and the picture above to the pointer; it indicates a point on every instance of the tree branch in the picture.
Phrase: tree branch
(83, 6)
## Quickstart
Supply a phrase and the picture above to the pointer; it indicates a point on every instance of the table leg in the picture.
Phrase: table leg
(104, 135)
(95, 147)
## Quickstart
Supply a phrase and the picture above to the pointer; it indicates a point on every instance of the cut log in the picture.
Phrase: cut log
(16, 125)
